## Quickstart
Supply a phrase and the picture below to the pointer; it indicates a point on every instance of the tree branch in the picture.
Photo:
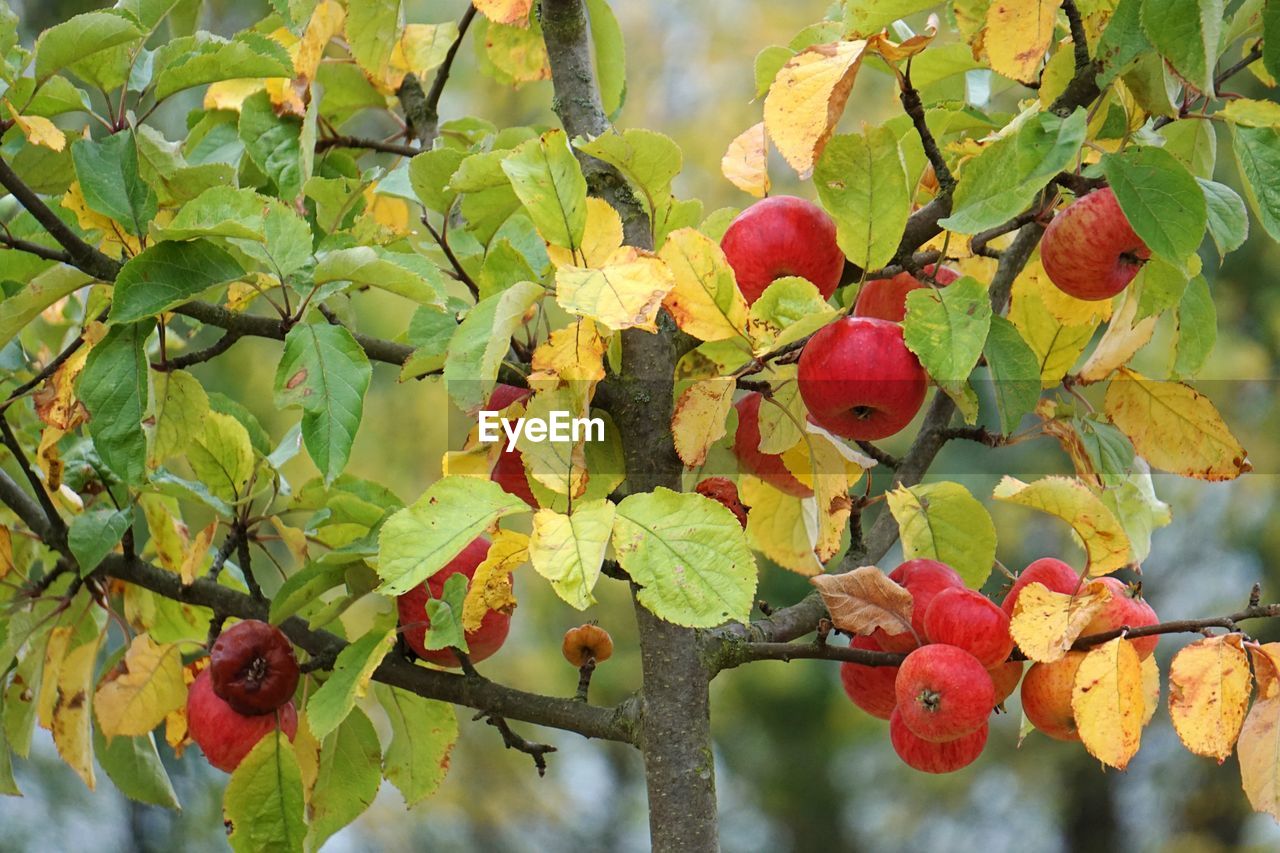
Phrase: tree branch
(914, 108)
(57, 527)
(430, 112)
(383, 146)
(34, 249)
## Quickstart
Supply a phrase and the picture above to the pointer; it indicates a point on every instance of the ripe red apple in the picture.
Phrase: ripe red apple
(746, 446)
(923, 579)
(943, 693)
(224, 735)
(968, 620)
(782, 236)
(252, 667)
(870, 687)
(1056, 575)
(1046, 696)
(886, 298)
(1006, 677)
(508, 472)
(859, 380)
(1123, 610)
(932, 757)
(1090, 251)
(724, 491)
(412, 605)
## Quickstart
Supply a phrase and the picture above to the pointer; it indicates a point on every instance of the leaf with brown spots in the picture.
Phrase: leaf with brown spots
(865, 599)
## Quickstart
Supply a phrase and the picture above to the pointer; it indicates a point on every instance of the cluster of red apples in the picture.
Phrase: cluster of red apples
(958, 669)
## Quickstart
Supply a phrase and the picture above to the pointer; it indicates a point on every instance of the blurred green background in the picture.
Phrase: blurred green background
(799, 768)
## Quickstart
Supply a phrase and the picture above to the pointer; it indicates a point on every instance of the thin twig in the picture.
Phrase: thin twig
(209, 353)
(381, 145)
(57, 526)
(883, 457)
(431, 108)
(914, 108)
(442, 240)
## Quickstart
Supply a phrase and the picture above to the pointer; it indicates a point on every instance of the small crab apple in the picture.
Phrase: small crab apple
(886, 298)
(869, 687)
(224, 735)
(783, 236)
(724, 491)
(1046, 696)
(746, 446)
(1090, 251)
(586, 643)
(508, 472)
(412, 605)
(923, 579)
(1055, 575)
(967, 619)
(252, 667)
(943, 693)
(859, 380)
(932, 756)
(1005, 677)
(1123, 610)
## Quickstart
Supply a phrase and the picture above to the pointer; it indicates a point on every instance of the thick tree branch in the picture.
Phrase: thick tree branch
(57, 527)
(23, 506)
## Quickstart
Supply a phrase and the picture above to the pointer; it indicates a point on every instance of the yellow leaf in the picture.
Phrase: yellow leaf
(6, 552)
(704, 299)
(490, 588)
(55, 652)
(169, 535)
(518, 52)
(55, 400)
(898, 51)
(196, 553)
(1259, 741)
(781, 420)
(574, 354)
(559, 465)
(38, 130)
(72, 732)
(1056, 344)
(475, 461)
(421, 48)
(602, 237)
(1045, 623)
(699, 418)
(782, 527)
(807, 99)
(115, 240)
(827, 465)
(1209, 688)
(505, 11)
(569, 550)
(142, 691)
(1251, 113)
(865, 599)
(1108, 702)
(230, 94)
(1103, 537)
(326, 22)
(746, 162)
(624, 293)
(1119, 342)
(1019, 33)
(1150, 688)
(1174, 427)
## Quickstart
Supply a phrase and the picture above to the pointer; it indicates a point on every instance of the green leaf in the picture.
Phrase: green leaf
(789, 309)
(1015, 373)
(689, 556)
(303, 587)
(1003, 180)
(1197, 328)
(1122, 41)
(767, 65)
(569, 550)
(648, 160)
(408, 275)
(134, 766)
(549, 182)
(1161, 200)
(1271, 39)
(168, 274)
(1139, 511)
(862, 182)
(108, 174)
(481, 343)
(219, 212)
(423, 732)
(429, 332)
(93, 534)
(9, 785)
(42, 291)
(1186, 33)
(429, 174)
(221, 457)
(352, 671)
(210, 59)
(372, 30)
(347, 778)
(942, 521)
(1158, 286)
(273, 143)
(113, 387)
(421, 539)
(1257, 153)
(263, 803)
(445, 615)
(79, 37)
(611, 57)
(947, 328)
(1195, 143)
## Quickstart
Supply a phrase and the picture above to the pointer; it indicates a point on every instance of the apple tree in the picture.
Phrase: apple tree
(982, 265)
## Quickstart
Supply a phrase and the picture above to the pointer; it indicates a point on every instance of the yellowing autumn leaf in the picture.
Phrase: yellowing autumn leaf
(602, 237)
(1056, 344)
(196, 553)
(865, 599)
(898, 51)
(326, 22)
(421, 48)
(1119, 342)
(1019, 33)
(1174, 427)
(1209, 689)
(1045, 623)
(704, 299)
(699, 418)
(1063, 306)
(230, 94)
(1259, 741)
(569, 550)
(514, 12)
(623, 293)
(72, 727)
(490, 588)
(142, 691)
(1150, 688)
(55, 400)
(1108, 702)
(38, 130)
(1103, 537)
(115, 240)
(807, 99)
(782, 527)
(574, 354)
(746, 162)
(830, 467)
(6, 551)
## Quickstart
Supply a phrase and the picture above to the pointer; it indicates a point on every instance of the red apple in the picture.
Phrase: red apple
(783, 236)
(886, 298)
(1123, 610)
(412, 605)
(870, 687)
(859, 380)
(252, 667)
(923, 579)
(508, 472)
(943, 693)
(1056, 575)
(224, 735)
(1090, 251)
(1006, 677)
(1046, 696)
(930, 757)
(724, 491)
(968, 620)
(746, 446)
